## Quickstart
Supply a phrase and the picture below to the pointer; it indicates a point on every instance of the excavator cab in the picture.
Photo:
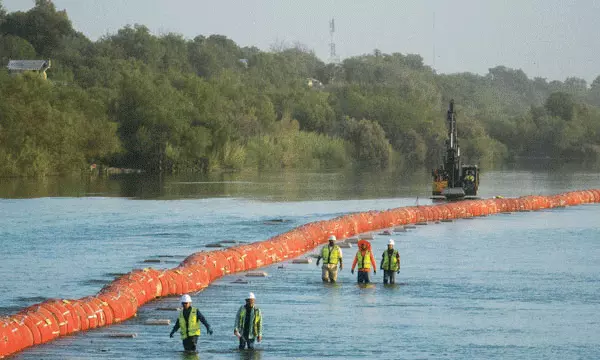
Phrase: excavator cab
(470, 179)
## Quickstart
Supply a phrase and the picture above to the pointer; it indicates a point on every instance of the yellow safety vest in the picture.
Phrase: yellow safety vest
(364, 262)
(189, 329)
(330, 258)
(256, 322)
(393, 264)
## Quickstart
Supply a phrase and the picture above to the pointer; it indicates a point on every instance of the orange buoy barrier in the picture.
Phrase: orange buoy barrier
(120, 300)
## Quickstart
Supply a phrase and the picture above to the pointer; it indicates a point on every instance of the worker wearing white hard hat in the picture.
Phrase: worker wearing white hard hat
(332, 256)
(187, 323)
(390, 263)
(248, 323)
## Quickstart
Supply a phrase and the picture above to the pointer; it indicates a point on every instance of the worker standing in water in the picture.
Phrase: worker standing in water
(365, 260)
(390, 263)
(331, 255)
(188, 324)
(248, 323)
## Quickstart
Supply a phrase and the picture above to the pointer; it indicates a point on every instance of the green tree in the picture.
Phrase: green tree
(371, 149)
(42, 26)
(560, 104)
(14, 47)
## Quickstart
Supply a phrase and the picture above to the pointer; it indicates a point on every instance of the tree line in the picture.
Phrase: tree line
(170, 104)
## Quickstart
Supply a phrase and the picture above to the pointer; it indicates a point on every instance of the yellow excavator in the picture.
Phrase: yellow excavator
(452, 180)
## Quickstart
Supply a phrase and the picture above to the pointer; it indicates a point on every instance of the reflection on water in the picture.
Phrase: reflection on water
(541, 177)
(282, 186)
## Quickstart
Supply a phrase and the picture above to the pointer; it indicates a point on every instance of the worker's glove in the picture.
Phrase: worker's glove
(341, 266)
(210, 332)
(352, 271)
(398, 272)
(381, 267)
(171, 335)
(374, 272)
(317, 262)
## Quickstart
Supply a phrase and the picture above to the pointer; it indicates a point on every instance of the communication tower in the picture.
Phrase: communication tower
(333, 58)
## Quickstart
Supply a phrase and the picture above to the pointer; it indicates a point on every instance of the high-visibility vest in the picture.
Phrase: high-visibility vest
(330, 257)
(390, 264)
(256, 321)
(190, 327)
(363, 262)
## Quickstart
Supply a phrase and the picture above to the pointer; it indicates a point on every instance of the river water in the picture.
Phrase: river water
(510, 286)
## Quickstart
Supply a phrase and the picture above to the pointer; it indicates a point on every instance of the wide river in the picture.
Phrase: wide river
(509, 286)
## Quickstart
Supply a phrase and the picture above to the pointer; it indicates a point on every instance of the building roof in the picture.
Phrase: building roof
(28, 65)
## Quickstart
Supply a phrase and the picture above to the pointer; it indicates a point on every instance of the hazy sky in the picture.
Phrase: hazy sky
(548, 38)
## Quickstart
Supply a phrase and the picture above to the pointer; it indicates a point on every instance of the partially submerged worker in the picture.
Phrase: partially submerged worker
(332, 256)
(365, 260)
(390, 263)
(248, 323)
(188, 324)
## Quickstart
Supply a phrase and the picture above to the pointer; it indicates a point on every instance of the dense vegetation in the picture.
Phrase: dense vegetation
(171, 104)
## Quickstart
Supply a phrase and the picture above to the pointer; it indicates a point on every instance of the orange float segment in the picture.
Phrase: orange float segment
(22, 333)
(6, 340)
(75, 316)
(59, 305)
(80, 313)
(92, 317)
(32, 325)
(50, 329)
(63, 325)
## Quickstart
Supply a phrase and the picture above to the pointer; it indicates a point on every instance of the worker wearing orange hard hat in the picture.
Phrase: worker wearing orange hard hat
(365, 261)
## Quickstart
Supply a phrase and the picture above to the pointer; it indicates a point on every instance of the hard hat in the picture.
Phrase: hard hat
(186, 299)
(331, 238)
(391, 242)
(251, 296)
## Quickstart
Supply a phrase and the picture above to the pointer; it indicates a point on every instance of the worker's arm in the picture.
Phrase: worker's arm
(260, 326)
(319, 257)
(373, 262)
(382, 256)
(354, 263)
(203, 321)
(175, 328)
(341, 264)
(237, 326)
(398, 256)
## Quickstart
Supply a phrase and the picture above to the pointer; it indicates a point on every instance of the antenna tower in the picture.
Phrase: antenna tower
(333, 58)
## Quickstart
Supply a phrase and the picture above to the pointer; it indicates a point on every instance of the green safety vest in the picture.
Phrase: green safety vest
(330, 258)
(364, 262)
(393, 264)
(256, 322)
(191, 328)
